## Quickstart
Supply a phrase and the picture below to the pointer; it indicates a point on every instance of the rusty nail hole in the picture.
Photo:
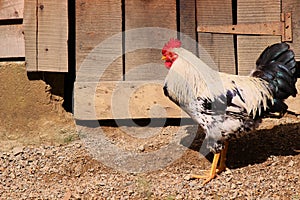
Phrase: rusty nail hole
(41, 6)
(233, 28)
(46, 49)
(16, 12)
(287, 27)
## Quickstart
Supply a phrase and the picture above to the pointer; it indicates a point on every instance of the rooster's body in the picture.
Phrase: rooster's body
(228, 106)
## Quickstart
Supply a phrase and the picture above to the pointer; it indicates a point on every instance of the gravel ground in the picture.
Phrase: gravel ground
(263, 165)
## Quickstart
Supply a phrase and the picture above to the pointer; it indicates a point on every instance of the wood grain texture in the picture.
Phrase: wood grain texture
(219, 46)
(12, 41)
(293, 6)
(97, 21)
(46, 35)
(249, 47)
(52, 35)
(123, 100)
(188, 25)
(30, 29)
(141, 14)
(11, 9)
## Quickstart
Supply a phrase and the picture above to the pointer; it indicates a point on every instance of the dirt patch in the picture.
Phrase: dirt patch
(30, 114)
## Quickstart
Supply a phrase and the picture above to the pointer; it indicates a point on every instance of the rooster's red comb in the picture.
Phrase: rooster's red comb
(173, 43)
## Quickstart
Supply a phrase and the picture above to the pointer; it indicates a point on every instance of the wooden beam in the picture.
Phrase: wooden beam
(219, 46)
(12, 41)
(11, 9)
(250, 47)
(123, 100)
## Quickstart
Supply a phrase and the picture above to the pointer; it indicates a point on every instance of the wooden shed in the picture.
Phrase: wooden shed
(116, 44)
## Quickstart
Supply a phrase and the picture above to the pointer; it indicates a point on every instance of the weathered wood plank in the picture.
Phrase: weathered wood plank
(30, 29)
(293, 6)
(12, 41)
(11, 9)
(140, 14)
(249, 47)
(188, 26)
(97, 21)
(219, 46)
(123, 100)
(52, 38)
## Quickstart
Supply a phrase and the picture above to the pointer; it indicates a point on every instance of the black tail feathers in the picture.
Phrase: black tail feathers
(277, 65)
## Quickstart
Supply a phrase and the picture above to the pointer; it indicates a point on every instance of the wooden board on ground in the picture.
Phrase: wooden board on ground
(97, 21)
(219, 46)
(11, 9)
(123, 100)
(12, 41)
(249, 47)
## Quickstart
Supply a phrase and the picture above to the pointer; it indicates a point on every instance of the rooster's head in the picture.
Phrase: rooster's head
(168, 54)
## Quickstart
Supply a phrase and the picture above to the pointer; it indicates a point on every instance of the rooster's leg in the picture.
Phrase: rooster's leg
(222, 165)
(213, 171)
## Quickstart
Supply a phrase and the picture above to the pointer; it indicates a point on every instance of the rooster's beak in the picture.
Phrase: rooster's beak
(163, 57)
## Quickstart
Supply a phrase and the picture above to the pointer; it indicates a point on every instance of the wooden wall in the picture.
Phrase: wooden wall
(128, 77)
(46, 35)
(37, 31)
(11, 29)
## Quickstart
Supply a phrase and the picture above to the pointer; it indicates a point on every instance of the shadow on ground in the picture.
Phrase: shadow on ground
(256, 147)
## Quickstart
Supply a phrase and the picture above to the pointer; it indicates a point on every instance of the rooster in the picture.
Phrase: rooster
(227, 106)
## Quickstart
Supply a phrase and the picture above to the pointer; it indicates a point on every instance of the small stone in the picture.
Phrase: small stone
(78, 145)
(141, 148)
(280, 177)
(228, 171)
(291, 163)
(130, 192)
(228, 179)
(233, 186)
(17, 150)
(101, 184)
(188, 177)
(193, 183)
